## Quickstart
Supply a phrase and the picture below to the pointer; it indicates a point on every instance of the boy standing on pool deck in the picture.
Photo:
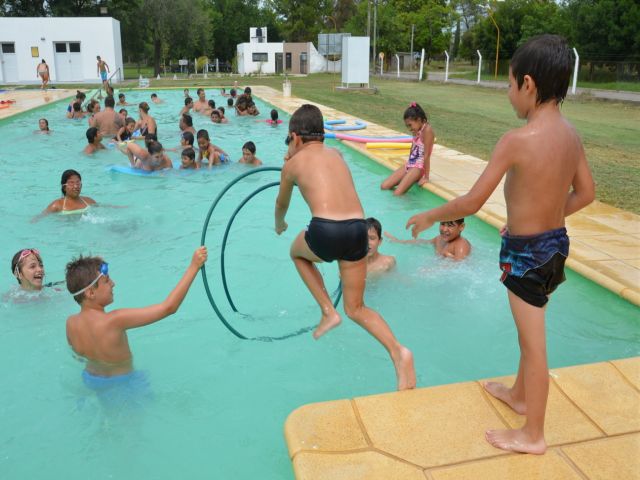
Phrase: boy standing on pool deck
(548, 178)
(337, 231)
(101, 337)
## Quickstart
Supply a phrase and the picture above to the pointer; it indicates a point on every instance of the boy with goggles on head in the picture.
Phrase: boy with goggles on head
(337, 231)
(101, 337)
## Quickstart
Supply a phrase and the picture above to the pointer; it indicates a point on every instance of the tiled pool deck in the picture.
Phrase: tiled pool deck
(437, 433)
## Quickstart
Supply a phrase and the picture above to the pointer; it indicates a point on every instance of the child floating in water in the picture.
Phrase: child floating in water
(249, 155)
(274, 120)
(155, 99)
(43, 126)
(126, 132)
(449, 243)
(548, 179)
(71, 201)
(417, 167)
(337, 231)
(101, 337)
(377, 262)
(27, 267)
(151, 159)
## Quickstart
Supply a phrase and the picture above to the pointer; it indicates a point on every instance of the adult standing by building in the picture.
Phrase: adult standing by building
(42, 70)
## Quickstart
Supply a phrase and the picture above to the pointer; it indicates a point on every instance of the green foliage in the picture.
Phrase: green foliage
(301, 20)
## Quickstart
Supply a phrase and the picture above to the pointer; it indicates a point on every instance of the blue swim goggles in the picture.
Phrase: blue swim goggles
(104, 271)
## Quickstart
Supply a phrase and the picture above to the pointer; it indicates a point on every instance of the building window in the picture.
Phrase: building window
(288, 61)
(8, 48)
(74, 47)
(260, 57)
(61, 47)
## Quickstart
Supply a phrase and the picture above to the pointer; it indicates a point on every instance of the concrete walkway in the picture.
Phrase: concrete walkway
(437, 433)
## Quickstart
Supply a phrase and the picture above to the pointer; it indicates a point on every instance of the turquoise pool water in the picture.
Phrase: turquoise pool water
(217, 404)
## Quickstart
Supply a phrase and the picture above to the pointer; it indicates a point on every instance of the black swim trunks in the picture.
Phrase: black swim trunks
(338, 239)
(533, 266)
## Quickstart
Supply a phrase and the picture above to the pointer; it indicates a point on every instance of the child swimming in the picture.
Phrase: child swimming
(376, 261)
(449, 243)
(418, 164)
(209, 153)
(71, 201)
(188, 159)
(94, 138)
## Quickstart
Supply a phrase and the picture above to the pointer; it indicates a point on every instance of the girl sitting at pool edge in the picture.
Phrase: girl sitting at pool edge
(418, 164)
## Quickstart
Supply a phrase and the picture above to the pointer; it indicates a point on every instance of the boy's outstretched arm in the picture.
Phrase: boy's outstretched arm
(583, 192)
(472, 201)
(126, 318)
(414, 241)
(283, 200)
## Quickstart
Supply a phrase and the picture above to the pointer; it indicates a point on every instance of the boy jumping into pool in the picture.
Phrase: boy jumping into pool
(101, 337)
(548, 178)
(337, 231)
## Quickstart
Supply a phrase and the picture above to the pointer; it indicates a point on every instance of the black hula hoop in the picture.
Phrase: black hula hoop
(222, 255)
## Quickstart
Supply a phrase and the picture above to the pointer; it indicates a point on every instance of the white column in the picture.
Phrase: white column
(421, 64)
(479, 63)
(446, 67)
(576, 67)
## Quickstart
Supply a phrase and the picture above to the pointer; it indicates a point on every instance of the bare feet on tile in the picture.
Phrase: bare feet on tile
(516, 441)
(405, 370)
(504, 394)
(327, 322)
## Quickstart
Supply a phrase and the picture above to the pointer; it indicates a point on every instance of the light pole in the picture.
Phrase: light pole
(495, 75)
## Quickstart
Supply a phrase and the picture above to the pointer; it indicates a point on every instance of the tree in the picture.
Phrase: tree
(301, 20)
(23, 8)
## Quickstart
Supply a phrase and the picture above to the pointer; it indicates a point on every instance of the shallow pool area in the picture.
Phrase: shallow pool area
(216, 404)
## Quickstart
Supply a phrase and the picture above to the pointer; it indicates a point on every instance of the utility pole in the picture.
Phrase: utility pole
(369, 20)
(375, 30)
(412, 29)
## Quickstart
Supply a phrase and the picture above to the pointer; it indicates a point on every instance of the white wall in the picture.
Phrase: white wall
(245, 57)
(97, 36)
(318, 63)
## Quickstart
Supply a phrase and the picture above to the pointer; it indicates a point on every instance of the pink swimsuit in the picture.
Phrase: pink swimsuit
(416, 154)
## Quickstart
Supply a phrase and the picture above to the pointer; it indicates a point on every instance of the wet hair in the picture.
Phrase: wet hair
(212, 103)
(247, 90)
(188, 137)
(307, 122)
(121, 95)
(415, 112)
(185, 90)
(221, 110)
(77, 107)
(188, 100)
(154, 147)
(80, 95)
(216, 112)
(274, 115)
(144, 106)
(150, 137)
(80, 272)
(109, 102)
(547, 60)
(92, 133)
(187, 119)
(189, 153)
(233, 92)
(66, 175)
(92, 105)
(199, 90)
(202, 134)
(123, 110)
(16, 264)
(46, 122)
(129, 121)
(153, 95)
(250, 146)
(229, 102)
(375, 224)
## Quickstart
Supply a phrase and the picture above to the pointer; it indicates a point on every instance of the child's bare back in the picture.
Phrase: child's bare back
(325, 182)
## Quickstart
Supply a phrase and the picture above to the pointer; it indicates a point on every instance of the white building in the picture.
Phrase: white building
(69, 45)
(260, 56)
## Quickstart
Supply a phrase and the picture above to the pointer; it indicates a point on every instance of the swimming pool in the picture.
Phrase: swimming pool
(218, 404)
